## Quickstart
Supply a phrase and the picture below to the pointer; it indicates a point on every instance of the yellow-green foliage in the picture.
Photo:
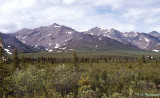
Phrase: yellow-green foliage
(85, 90)
(101, 78)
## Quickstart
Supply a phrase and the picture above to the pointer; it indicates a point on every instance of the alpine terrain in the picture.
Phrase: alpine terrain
(60, 38)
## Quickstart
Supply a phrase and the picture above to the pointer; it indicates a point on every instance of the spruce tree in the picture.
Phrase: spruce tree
(4, 71)
(143, 59)
(1, 54)
(90, 62)
(16, 60)
(149, 57)
(75, 60)
(23, 62)
(1, 68)
(1, 50)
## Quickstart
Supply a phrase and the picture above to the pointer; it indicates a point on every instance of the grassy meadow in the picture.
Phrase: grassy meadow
(111, 53)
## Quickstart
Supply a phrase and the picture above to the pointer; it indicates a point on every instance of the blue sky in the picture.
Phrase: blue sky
(123, 15)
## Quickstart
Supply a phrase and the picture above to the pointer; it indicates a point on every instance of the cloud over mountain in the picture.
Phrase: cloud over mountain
(123, 15)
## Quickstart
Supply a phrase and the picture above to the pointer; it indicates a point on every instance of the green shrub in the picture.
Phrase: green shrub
(28, 81)
(65, 80)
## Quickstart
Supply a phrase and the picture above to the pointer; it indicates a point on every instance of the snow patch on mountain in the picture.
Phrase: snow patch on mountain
(23, 41)
(35, 46)
(129, 34)
(140, 38)
(8, 51)
(57, 46)
(18, 37)
(158, 44)
(91, 33)
(71, 49)
(50, 44)
(69, 33)
(125, 34)
(64, 48)
(50, 50)
(24, 37)
(104, 35)
(147, 40)
(109, 30)
(155, 50)
(109, 36)
(49, 34)
(135, 34)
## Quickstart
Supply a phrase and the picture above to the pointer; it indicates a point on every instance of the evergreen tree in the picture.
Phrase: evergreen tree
(1, 50)
(1, 68)
(4, 71)
(149, 57)
(90, 62)
(16, 59)
(23, 62)
(143, 60)
(75, 60)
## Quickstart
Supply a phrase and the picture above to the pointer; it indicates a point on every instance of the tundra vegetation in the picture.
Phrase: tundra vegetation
(78, 77)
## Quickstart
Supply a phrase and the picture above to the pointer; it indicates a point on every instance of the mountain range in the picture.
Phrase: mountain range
(11, 42)
(60, 38)
(147, 41)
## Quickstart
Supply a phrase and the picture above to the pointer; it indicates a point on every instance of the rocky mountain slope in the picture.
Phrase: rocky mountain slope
(155, 34)
(11, 42)
(147, 41)
(61, 38)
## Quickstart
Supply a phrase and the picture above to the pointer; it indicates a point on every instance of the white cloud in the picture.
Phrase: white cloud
(68, 1)
(124, 15)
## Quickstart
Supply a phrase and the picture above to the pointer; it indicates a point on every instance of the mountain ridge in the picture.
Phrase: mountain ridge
(10, 43)
(147, 41)
(60, 38)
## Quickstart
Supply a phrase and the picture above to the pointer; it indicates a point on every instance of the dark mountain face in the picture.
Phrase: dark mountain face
(155, 34)
(61, 38)
(11, 42)
(94, 43)
(145, 41)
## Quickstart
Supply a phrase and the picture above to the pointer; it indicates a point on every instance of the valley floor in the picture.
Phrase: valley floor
(81, 75)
